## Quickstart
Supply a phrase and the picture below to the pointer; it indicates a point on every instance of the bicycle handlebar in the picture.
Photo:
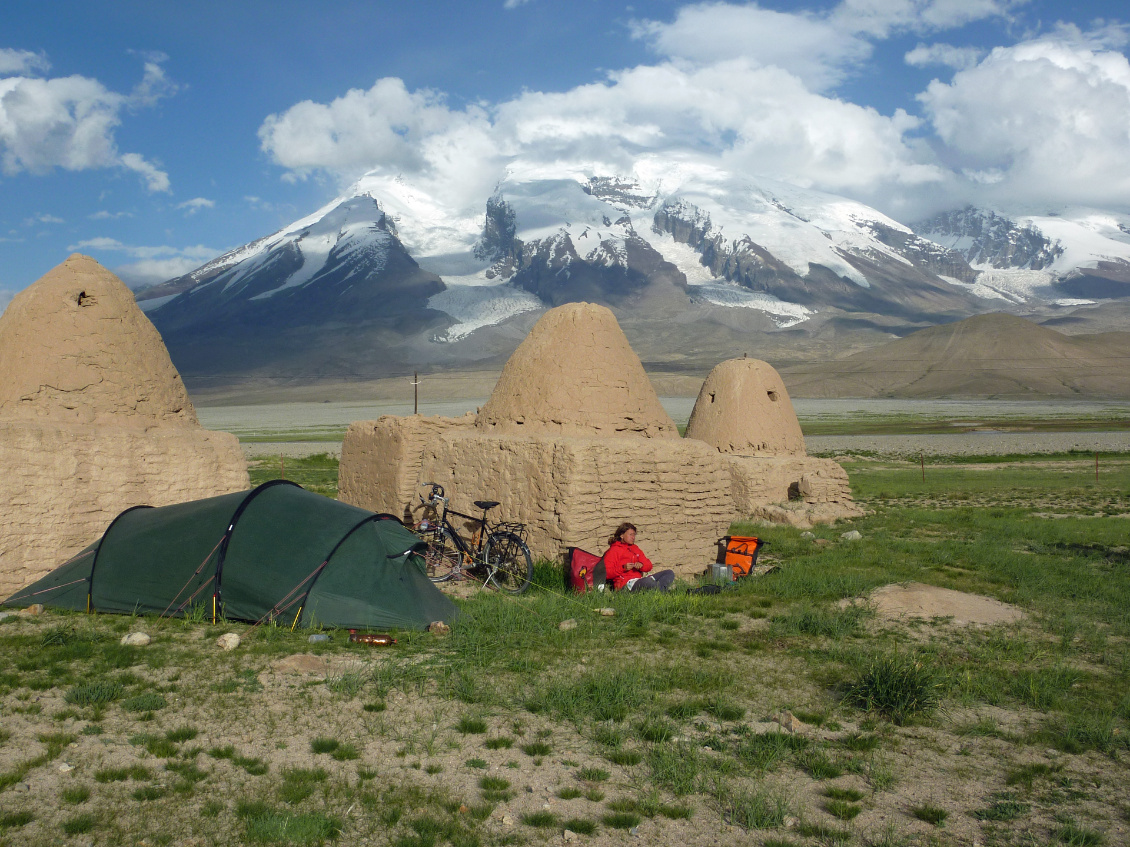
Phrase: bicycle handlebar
(435, 495)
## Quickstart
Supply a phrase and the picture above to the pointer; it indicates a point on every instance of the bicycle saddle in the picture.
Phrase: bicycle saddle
(486, 504)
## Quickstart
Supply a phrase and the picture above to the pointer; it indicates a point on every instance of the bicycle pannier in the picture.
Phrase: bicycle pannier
(586, 571)
(741, 553)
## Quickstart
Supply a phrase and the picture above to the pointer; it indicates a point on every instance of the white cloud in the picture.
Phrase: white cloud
(69, 122)
(103, 215)
(194, 205)
(744, 91)
(43, 218)
(146, 272)
(945, 55)
(22, 61)
(1044, 119)
(821, 48)
(383, 124)
(881, 18)
(153, 265)
(807, 45)
(155, 178)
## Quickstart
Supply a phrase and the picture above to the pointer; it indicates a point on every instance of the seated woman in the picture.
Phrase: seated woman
(625, 564)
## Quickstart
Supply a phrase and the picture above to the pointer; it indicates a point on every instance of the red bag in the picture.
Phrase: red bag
(741, 553)
(582, 568)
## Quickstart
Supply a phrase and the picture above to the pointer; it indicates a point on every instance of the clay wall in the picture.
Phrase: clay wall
(575, 491)
(63, 484)
(381, 460)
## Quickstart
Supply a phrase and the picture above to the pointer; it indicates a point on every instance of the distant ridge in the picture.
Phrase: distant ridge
(995, 356)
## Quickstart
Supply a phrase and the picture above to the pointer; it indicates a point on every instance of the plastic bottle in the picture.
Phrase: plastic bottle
(376, 639)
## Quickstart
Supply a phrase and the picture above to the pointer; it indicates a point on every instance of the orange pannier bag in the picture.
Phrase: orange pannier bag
(741, 553)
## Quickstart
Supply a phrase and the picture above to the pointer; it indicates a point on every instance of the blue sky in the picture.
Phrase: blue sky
(156, 136)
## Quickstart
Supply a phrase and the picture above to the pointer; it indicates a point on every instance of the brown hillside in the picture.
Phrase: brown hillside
(994, 355)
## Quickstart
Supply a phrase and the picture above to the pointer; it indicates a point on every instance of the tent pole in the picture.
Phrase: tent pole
(296, 617)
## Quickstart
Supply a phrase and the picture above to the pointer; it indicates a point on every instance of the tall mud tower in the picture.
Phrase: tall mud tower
(94, 419)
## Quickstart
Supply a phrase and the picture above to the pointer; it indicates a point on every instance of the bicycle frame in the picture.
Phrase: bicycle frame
(474, 553)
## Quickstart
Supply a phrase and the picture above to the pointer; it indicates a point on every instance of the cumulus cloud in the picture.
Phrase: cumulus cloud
(1044, 119)
(945, 55)
(820, 48)
(146, 272)
(805, 44)
(103, 215)
(152, 265)
(742, 91)
(22, 62)
(194, 205)
(69, 122)
(386, 124)
(881, 18)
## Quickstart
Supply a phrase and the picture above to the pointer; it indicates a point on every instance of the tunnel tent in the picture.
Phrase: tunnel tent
(277, 551)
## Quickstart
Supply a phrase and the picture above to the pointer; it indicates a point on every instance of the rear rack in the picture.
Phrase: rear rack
(518, 529)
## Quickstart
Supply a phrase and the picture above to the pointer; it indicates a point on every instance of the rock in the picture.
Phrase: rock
(607, 612)
(228, 641)
(136, 639)
(634, 831)
(567, 625)
(507, 820)
(21, 787)
(807, 534)
(317, 638)
(32, 610)
(791, 822)
(5, 615)
(570, 835)
(852, 535)
(438, 628)
(66, 767)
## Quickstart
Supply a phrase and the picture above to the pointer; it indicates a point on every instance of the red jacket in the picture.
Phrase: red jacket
(623, 562)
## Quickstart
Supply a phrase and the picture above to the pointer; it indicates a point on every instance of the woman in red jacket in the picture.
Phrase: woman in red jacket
(625, 564)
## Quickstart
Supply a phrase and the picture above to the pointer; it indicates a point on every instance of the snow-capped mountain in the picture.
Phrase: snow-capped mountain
(1070, 258)
(392, 275)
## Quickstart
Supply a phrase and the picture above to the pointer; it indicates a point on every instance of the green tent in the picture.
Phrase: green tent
(276, 552)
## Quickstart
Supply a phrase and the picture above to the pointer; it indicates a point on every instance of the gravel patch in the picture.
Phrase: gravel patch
(290, 449)
(895, 446)
(969, 444)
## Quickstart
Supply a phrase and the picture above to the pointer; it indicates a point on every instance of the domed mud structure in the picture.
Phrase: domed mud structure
(94, 419)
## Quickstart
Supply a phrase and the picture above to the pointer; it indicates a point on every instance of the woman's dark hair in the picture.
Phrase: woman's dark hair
(618, 535)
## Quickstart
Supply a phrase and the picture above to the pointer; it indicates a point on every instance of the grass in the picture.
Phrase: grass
(897, 685)
(672, 699)
(931, 814)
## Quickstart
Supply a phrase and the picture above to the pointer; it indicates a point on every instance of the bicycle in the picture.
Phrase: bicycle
(497, 551)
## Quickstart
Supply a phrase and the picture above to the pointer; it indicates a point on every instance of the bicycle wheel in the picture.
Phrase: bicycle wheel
(510, 561)
(442, 558)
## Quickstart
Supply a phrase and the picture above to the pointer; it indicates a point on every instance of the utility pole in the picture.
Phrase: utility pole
(415, 392)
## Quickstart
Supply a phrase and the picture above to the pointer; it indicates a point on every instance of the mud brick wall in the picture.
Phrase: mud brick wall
(380, 461)
(573, 491)
(63, 484)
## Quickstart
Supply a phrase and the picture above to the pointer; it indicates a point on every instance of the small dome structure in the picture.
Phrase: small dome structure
(743, 408)
(76, 347)
(575, 374)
